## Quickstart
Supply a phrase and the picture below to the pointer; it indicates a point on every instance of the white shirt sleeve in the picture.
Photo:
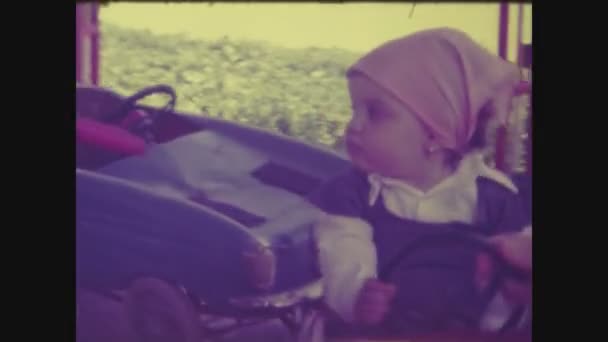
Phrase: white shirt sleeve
(347, 258)
(497, 314)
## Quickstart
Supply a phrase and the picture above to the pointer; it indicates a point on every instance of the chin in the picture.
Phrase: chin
(362, 165)
(360, 162)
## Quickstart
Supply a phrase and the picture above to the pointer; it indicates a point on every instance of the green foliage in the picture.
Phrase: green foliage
(297, 92)
(301, 92)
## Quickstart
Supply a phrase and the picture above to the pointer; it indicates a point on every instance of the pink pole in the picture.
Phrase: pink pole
(520, 29)
(503, 35)
(94, 34)
(78, 44)
(503, 29)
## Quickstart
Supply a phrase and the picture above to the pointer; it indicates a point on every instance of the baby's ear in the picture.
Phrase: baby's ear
(432, 146)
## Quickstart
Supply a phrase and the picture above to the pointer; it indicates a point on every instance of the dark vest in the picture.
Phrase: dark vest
(434, 284)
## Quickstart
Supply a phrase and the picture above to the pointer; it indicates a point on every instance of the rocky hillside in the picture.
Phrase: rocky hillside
(297, 92)
(301, 93)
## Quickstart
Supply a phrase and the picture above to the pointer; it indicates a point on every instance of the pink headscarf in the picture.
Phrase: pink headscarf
(445, 78)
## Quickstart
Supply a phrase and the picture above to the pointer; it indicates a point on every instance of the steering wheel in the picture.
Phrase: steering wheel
(502, 272)
(146, 122)
(130, 102)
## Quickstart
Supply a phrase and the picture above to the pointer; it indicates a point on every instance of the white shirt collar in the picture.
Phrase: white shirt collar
(404, 200)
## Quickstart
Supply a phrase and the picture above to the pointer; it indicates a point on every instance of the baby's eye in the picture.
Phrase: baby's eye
(376, 113)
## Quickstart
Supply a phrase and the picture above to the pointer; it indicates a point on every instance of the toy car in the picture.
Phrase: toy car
(189, 219)
(188, 215)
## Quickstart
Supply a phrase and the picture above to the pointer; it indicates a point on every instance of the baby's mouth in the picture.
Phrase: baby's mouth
(355, 151)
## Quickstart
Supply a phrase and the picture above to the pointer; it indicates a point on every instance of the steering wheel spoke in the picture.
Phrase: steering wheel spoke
(142, 126)
(438, 317)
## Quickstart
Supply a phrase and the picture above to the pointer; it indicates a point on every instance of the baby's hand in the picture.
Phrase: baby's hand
(516, 249)
(374, 302)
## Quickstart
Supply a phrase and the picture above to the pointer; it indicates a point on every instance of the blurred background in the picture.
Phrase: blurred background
(278, 66)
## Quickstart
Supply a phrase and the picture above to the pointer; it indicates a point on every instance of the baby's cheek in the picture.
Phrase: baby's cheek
(389, 156)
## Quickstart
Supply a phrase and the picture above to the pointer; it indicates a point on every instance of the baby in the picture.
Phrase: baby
(421, 105)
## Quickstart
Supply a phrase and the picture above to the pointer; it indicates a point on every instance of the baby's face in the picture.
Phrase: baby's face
(383, 136)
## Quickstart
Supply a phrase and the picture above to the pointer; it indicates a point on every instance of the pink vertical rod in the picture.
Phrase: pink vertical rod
(520, 33)
(503, 35)
(78, 42)
(503, 29)
(94, 35)
(521, 59)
